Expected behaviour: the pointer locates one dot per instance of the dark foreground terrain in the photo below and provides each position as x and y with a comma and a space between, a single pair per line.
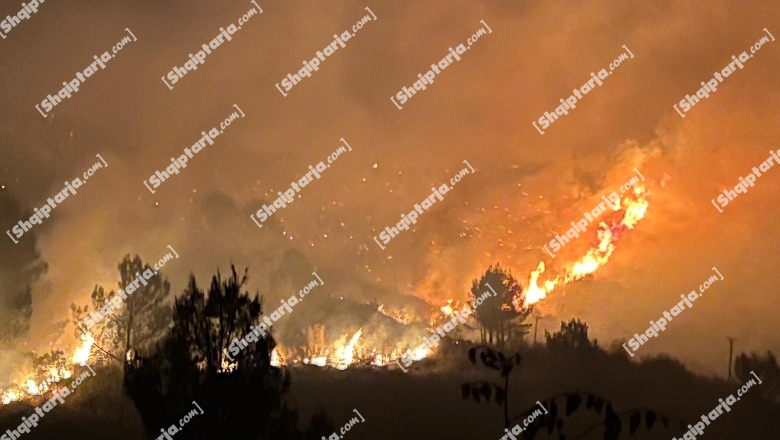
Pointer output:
427, 402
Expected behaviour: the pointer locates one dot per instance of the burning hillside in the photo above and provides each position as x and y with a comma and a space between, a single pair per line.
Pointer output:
41, 378
630, 210
342, 332
365, 346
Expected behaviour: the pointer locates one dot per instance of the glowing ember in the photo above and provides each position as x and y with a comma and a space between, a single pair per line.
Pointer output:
225, 367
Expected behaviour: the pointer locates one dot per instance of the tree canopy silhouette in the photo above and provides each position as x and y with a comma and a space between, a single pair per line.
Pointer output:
241, 398
573, 335
766, 369
139, 319
498, 319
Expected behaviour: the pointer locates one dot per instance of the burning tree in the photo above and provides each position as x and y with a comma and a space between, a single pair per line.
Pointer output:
44, 363
146, 316
140, 320
499, 320
315, 341
106, 333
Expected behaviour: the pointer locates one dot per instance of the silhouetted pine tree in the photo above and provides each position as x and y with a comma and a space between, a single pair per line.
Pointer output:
189, 364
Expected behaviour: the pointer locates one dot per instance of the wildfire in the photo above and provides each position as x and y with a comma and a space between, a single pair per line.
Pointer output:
275, 360
420, 353
398, 316
319, 361
635, 208
81, 356
43, 383
342, 354
534, 293
32, 388
346, 354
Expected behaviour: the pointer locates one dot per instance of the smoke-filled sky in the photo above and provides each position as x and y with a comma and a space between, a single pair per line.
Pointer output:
527, 188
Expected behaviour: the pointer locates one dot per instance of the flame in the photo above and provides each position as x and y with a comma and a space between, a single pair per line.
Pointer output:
634, 208
275, 361
534, 293
81, 356
420, 353
343, 354
319, 361
346, 354
399, 316
32, 388
9, 397
41, 384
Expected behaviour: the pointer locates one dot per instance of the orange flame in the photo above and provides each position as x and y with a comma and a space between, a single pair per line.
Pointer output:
81, 356
346, 354
635, 209
35, 386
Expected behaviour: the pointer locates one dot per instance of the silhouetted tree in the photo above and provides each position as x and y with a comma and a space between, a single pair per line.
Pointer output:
146, 315
766, 369
241, 398
563, 407
557, 409
498, 361
499, 320
140, 320
45, 362
108, 339
573, 335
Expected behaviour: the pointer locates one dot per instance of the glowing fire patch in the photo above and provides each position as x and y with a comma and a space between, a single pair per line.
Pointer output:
43, 384
634, 207
275, 361
346, 354
82, 353
533, 293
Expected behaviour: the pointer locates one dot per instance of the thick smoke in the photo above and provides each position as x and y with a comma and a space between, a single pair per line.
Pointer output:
527, 186
21, 266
